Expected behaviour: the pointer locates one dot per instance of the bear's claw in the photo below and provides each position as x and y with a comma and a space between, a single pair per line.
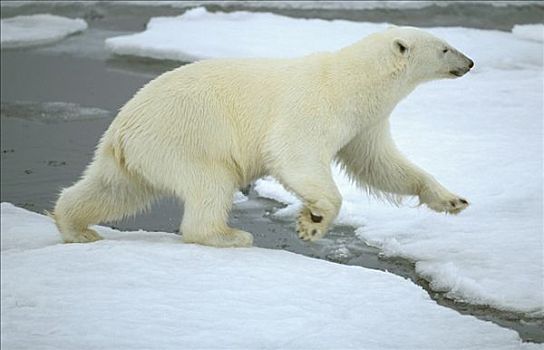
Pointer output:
449, 206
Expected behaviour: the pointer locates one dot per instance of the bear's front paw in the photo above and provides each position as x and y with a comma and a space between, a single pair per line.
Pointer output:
310, 226
451, 204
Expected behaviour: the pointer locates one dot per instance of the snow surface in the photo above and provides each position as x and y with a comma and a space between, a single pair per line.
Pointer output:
480, 135
142, 290
23, 31
529, 31
198, 34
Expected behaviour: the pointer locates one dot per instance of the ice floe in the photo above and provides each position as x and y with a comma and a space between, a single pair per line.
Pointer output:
147, 290
40, 29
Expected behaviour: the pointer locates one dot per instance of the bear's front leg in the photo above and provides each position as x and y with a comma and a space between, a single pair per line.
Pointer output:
373, 161
322, 200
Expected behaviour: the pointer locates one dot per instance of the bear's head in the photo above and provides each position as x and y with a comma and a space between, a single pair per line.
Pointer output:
426, 57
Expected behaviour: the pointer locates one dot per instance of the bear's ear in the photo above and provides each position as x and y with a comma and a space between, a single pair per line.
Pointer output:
400, 47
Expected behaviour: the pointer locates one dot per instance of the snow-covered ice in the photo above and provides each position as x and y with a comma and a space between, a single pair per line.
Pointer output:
199, 34
529, 31
41, 29
141, 290
480, 135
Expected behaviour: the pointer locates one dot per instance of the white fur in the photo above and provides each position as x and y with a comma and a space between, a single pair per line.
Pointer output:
203, 130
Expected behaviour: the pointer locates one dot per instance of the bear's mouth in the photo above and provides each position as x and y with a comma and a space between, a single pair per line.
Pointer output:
457, 73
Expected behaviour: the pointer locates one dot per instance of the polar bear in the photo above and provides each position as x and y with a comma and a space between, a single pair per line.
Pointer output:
205, 129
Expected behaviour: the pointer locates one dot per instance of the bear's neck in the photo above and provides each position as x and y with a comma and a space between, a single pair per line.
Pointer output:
372, 82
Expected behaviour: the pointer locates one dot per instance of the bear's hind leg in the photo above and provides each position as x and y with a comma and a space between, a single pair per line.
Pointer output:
105, 193
207, 205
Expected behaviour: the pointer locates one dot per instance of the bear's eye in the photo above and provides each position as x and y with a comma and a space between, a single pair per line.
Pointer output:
445, 50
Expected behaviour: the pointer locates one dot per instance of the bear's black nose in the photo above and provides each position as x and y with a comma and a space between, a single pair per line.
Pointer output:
471, 64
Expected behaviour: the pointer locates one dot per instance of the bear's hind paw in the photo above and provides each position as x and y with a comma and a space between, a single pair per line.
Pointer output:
231, 238
85, 236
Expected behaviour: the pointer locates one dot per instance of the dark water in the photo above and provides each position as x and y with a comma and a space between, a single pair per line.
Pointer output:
58, 100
